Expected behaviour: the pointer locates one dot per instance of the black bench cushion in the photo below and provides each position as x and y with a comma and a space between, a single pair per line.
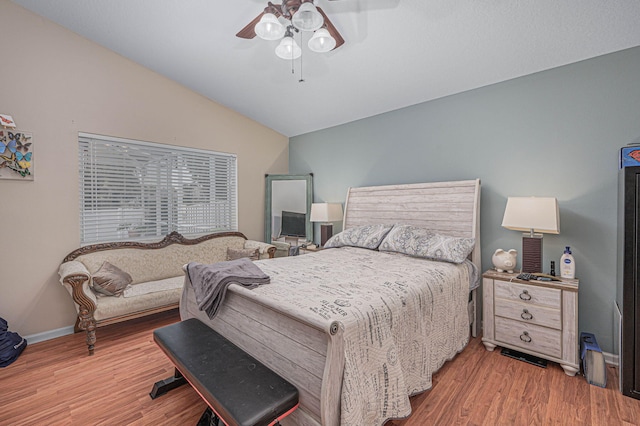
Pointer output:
236, 386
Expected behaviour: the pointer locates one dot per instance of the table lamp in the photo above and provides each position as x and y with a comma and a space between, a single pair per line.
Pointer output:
534, 216
326, 213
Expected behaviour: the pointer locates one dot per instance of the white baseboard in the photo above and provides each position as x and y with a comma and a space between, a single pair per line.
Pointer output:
611, 359
48, 335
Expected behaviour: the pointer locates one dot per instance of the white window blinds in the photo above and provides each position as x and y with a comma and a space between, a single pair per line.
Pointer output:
132, 190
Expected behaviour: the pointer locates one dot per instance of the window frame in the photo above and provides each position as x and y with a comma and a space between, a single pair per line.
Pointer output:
132, 190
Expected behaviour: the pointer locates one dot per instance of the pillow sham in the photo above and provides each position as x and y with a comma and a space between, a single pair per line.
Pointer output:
420, 242
368, 236
233, 254
110, 280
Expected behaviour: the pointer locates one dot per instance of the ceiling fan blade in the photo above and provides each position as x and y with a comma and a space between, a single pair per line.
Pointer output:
248, 31
332, 29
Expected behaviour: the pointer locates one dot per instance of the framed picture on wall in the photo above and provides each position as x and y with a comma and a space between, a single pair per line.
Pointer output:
16, 155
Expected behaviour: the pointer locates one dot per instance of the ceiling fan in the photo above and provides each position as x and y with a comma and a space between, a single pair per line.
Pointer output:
281, 21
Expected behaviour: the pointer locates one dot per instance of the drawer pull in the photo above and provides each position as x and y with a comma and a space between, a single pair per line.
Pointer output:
525, 337
526, 315
525, 295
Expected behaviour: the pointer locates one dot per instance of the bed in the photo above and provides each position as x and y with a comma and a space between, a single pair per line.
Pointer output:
358, 331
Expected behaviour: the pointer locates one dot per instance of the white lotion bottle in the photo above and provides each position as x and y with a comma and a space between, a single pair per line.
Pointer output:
567, 264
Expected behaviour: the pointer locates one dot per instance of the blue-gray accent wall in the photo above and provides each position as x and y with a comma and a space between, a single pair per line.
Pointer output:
556, 133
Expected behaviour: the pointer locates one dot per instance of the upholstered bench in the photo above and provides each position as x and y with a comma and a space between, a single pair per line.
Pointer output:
237, 388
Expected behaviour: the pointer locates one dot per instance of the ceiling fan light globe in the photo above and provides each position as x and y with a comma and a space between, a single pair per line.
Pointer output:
269, 28
307, 18
322, 42
288, 49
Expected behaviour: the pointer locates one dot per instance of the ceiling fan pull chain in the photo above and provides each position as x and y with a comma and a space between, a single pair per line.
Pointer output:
301, 55
292, 60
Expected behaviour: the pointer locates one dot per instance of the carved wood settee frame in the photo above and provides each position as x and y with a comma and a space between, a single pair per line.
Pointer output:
86, 306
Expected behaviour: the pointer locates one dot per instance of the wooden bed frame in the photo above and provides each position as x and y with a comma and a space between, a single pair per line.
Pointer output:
310, 353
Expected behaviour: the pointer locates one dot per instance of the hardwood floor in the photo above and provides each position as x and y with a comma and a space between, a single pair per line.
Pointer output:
56, 383
479, 387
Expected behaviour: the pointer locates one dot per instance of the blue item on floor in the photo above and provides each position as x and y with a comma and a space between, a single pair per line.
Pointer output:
11, 344
595, 370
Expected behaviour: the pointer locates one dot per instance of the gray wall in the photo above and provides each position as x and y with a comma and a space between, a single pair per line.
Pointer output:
555, 133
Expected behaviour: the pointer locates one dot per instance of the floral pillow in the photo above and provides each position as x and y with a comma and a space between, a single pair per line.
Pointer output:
110, 280
368, 236
421, 242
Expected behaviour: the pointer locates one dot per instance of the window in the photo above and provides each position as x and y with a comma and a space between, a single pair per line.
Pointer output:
132, 190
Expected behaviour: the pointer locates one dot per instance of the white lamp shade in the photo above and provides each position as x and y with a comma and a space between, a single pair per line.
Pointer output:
307, 18
269, 28
540, 214
322, 41
326, 212
288, 49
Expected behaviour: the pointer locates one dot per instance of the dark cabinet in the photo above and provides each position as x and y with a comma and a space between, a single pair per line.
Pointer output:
628, 283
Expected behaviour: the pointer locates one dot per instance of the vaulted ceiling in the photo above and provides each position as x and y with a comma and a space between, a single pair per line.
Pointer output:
397, 53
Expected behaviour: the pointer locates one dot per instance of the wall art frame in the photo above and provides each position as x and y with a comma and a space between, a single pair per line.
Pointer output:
16, 155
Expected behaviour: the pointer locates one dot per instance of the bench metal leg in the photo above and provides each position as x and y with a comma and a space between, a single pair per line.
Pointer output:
209, 418
164, 386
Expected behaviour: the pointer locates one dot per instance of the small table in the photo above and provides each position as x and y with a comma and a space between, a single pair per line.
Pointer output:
309, 249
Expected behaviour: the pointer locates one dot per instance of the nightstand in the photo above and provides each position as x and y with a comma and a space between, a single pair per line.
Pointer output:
305, 250
539, 318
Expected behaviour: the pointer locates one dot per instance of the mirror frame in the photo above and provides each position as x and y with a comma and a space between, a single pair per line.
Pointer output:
269, 179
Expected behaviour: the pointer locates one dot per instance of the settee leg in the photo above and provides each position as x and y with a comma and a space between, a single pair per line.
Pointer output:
86, 308
87, 323
91, 339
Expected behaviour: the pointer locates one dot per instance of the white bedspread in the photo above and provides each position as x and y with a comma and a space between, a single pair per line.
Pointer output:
403, 318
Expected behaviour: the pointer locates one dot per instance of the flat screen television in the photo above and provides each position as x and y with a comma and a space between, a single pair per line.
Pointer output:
293, 224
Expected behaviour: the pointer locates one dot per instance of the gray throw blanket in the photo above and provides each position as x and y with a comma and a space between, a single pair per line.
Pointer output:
210, 282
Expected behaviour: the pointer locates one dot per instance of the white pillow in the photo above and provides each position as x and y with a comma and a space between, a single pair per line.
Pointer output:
368, 236
420, 242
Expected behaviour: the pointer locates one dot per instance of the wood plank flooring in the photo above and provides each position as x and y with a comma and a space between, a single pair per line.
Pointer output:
56, 383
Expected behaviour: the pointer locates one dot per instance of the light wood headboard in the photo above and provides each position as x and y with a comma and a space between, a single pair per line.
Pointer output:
448, 208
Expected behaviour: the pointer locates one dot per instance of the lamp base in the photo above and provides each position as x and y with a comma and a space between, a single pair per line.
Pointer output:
326, 232
532, 253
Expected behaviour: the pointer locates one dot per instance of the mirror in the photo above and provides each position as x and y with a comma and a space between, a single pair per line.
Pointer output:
288, 208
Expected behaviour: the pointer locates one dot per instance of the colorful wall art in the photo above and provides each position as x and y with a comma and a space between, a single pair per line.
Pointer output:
16, 155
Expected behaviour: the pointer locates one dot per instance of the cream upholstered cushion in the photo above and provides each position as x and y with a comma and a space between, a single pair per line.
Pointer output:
153, 286
109, 307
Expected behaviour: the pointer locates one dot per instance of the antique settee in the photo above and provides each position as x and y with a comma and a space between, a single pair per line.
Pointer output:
113, 282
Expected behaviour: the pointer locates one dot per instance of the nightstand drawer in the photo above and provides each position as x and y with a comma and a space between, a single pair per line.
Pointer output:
529, 313
529, 336
525, 293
